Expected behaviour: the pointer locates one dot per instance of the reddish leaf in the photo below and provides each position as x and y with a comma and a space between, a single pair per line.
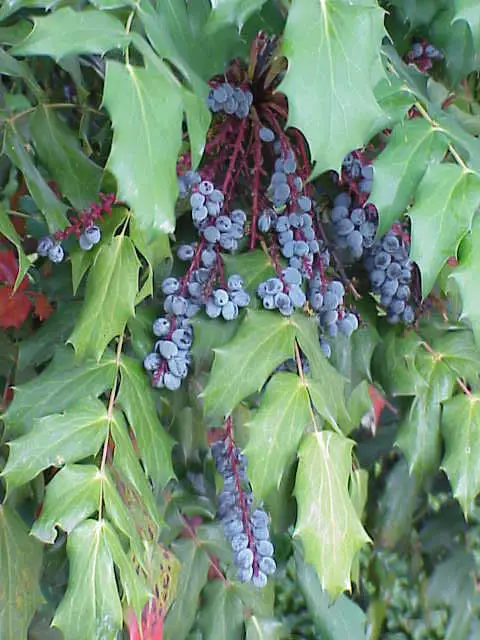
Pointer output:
42, 307
14, 308
378, 402
9, 269
152, 623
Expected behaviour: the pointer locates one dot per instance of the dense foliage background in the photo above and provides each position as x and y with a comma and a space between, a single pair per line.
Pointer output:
353, 423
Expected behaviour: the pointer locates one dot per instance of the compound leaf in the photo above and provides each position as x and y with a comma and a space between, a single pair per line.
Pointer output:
328, 525
112, 286
91, 606
461, 433
72, 495
263, 341
20, 567
275, 432
411, 148
329, 84
146, 111
56, 439
446, 200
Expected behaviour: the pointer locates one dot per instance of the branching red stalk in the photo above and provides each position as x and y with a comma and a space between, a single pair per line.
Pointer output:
257, 163
236, 150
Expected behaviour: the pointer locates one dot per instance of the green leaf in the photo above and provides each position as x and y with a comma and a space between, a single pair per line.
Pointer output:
395, 366
275, 432
146, 111
468, 10
339, 620
461, 433
59, 385
77, 176
91, 606
11, 67
72, 495
54, 211
193, 577
222, 614
198, 122
328, 77
137, 400
263, 341
253, 266
57, 439
235, 12
8, 230
21, 559
66, 32
112, 286
466, 277
327, 524
442, 214
411, 148
264, 629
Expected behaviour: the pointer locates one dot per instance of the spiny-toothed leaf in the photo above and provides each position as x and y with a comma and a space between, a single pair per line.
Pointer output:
14, 147
112, 286
126, 461
263, 341
396, 506
76, 175
419, 432
59, 385
91, 606
339, 620
72, 496
198, 122
57, 439
21, 558
67, 32
235, 12
394, 364
461, 433
411, 148
260, 602
328, 77
193, 577
264, 629
136, 593
446, 201
9, 66
254, 267
325, 385
275, 432
146, 111
137, 400
394, 100
327, 524
358, 492
466, 277
222, 613
457, 348
468, 10
8, 230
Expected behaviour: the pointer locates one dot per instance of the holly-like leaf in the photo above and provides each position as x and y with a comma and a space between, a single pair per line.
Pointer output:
394, 364
222, 614
20, 567
468, 10
235, 12
275, 432
57, 439
264, 629
146, 111
446, 200
72, 495
76, 175
59, 385
263, 341
466, 277
193, 577
411, 148
254, 267
112, 286
8, 230
137, 400
14, 147
327, 524
461, 433
91, 606
67, 32
328, 77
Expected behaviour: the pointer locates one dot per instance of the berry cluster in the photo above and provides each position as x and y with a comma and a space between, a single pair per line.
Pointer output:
390, 272
82, 226
245, 526
230, 100
422, 54
354, 225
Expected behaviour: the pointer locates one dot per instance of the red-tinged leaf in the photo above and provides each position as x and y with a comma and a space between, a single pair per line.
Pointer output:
152, 623
9, 269
378, 402
42, 307
14, 307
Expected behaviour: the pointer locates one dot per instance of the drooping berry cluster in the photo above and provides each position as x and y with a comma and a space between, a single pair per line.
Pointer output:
422, 54
390, 272
245, 526
226, 98
82, 226
354, 225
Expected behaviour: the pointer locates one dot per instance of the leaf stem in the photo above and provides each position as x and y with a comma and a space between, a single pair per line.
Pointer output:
438, 355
